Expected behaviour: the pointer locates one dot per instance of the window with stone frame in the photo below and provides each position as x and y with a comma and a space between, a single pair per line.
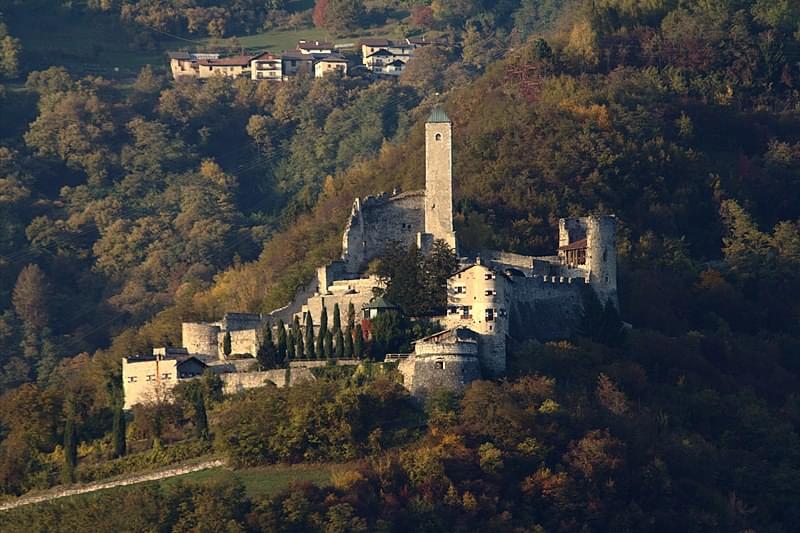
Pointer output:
489, 315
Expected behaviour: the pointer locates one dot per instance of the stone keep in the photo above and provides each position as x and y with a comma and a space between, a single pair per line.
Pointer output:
439, 177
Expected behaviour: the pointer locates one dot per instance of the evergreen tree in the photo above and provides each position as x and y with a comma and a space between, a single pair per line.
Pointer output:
323, 331
70, 450
118, 431
347, 349
300, 351
200, 417
612, 329
351, 316
226, 344
281, 348
338, 344
290, 345
337, 319
327, 345
266, 354
310, 352
358, 343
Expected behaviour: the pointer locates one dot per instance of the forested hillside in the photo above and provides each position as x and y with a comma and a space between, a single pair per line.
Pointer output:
128, 209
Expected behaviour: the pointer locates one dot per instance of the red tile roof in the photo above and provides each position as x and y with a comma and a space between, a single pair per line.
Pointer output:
577, 245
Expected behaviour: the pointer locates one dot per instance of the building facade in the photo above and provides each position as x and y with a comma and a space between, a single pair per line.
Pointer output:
151, 378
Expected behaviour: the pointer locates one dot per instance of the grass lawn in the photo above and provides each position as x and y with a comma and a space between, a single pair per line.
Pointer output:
263, 480
93, 44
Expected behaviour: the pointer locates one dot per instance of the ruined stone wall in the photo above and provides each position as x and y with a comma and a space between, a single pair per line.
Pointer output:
376, 221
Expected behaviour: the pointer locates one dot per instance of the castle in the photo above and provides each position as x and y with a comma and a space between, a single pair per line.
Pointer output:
493, 297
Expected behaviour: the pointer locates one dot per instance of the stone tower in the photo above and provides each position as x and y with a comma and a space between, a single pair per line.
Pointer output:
439, 177
595, 237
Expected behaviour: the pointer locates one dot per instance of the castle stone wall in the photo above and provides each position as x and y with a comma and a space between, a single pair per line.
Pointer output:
243, 342
546, 307
233, 383
376, 221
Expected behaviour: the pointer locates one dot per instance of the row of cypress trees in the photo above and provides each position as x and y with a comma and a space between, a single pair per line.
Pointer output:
296, 342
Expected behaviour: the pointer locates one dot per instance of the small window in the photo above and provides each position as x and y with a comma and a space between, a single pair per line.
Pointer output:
440, 365
489, 315
460, 289
438, 136
466, 312
132, 379
151, 377
489, 276
165, 375
490, 292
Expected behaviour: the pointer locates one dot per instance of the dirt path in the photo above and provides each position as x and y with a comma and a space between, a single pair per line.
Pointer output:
101, 485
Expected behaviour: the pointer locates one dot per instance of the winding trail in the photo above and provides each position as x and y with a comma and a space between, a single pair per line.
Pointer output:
102, 485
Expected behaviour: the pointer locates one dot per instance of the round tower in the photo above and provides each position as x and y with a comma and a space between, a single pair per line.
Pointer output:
601, 256
200, 339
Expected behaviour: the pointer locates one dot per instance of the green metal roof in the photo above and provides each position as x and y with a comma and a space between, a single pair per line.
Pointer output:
438, 115
380, 302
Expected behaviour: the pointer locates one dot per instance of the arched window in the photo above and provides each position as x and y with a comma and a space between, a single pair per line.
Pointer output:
438, 136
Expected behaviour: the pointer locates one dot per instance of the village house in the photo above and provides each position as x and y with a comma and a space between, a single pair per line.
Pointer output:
266, 66
330, 63
386, 57
185, 63
230, 67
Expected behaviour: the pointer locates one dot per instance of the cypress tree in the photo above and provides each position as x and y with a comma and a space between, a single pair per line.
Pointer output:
338, 344
266, 350
351, 316
358, 343
337, 319
301, 348
327, 345
281, 349
310, 352
226, 344
70, 451
118, 431
347, 349
200, 416
323, 331
290, 344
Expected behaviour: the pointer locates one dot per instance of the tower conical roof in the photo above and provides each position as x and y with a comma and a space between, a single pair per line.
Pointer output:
438, 115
